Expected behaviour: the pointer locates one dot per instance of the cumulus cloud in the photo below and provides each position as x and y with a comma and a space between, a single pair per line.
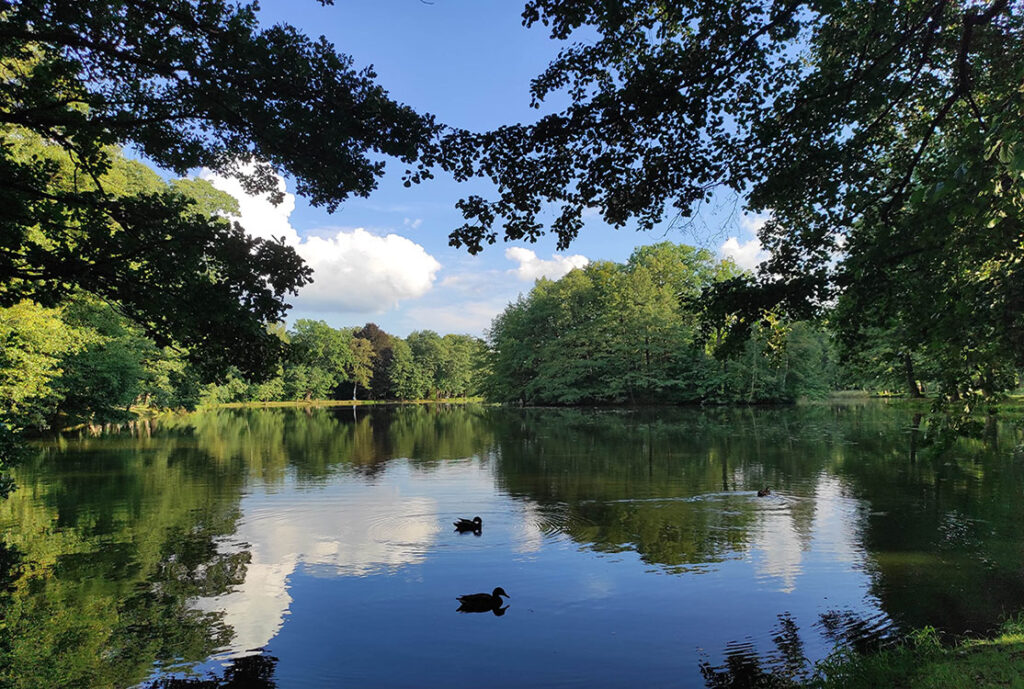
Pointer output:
752, 224
362, 272
354, 271
531, 267
749, 254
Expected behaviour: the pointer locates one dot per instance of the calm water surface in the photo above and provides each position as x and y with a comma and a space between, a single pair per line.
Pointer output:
291, 548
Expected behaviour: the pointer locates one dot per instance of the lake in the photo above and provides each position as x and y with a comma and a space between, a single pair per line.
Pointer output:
315, 547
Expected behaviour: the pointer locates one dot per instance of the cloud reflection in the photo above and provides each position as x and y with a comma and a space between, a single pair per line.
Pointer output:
351, 530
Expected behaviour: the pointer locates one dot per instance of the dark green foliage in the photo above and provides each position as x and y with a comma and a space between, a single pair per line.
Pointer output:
189, 83
612, 333
383, 355
337, 363
883, 139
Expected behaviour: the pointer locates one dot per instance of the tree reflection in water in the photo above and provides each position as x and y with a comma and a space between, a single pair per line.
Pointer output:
744, 668
787, 667
248, 672
110, 538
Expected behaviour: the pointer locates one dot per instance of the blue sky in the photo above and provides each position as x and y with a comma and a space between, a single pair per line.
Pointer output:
386, 258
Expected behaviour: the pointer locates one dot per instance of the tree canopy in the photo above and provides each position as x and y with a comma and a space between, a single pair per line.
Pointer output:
188, 84
615, 333
884, 140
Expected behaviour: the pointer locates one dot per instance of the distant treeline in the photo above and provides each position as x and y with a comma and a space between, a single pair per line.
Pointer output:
638, 333
632, 333
366, 363
82, 361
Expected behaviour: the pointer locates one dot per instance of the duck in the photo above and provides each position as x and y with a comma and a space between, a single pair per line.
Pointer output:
483, 602
764, 492
474, 524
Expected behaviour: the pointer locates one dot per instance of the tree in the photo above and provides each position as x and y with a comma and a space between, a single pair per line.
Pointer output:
33, 342
462, 356
188, 83
322, 359
634, 332
405, 379
360, 368
429, 354
382, 346
884, 141
102, 380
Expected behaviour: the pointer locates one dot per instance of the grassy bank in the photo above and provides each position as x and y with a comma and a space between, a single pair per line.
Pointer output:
922, 662
1003, 404
337, 403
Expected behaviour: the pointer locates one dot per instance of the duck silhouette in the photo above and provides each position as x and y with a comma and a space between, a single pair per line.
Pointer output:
483, 602
475, 525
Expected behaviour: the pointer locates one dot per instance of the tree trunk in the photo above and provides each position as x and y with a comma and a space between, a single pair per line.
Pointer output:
908, 369
354, 385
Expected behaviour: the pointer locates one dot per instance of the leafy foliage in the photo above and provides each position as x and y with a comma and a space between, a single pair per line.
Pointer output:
884, 141
631, 333
188, 83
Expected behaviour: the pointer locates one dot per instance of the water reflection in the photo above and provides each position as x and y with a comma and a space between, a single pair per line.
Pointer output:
280, 546
344, 529
745, 667
247, 672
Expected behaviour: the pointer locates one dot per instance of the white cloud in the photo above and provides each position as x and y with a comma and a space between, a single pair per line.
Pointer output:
531, 267
354, 271
752, 224
361, 272
747, 255
258, 216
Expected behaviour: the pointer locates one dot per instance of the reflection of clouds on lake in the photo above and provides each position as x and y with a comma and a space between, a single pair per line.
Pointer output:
777, 544
837, 522
256, 609
529, 535
349, 529
782, 545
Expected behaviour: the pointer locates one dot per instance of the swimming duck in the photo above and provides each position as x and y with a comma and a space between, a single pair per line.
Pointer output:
764, 491
474, 524
483, 602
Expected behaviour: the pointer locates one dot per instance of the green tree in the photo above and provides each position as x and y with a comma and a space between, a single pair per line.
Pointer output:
322, 359
636, 333
428, 352
885, 143
33, 343
188, 83
101, 381
462, 356
405, 379
382, 346
359, 371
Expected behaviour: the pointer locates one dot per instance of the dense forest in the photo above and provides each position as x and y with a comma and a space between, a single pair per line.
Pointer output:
642, 332
82, 358
82, 361
884, 146
638, 333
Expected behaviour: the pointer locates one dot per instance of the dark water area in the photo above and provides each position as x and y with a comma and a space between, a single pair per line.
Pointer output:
315, 548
